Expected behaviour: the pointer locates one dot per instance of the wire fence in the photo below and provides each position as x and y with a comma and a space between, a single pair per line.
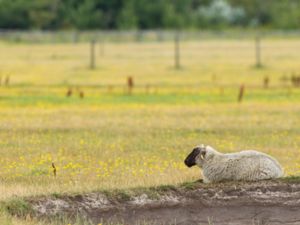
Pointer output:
173, 49
135, 36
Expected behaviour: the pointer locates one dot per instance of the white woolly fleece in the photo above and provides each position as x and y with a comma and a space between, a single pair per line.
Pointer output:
248, 165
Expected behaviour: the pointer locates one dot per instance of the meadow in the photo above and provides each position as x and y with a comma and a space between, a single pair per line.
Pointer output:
111, 139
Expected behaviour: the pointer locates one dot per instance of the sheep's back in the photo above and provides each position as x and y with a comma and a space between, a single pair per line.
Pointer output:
253, 165
245, 165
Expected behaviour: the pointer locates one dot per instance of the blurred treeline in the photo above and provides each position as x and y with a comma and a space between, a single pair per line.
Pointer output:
148, 14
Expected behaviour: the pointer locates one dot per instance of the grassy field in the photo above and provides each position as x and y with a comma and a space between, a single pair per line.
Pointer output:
110, 139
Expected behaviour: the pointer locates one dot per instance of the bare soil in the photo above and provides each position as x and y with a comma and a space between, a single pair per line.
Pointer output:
257, 203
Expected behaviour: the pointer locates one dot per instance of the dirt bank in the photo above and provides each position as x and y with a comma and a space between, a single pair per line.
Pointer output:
267, 202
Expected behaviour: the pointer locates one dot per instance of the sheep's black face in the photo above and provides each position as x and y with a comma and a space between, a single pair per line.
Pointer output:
191, 158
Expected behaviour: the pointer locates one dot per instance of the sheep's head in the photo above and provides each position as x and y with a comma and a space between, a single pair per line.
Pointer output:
197, 156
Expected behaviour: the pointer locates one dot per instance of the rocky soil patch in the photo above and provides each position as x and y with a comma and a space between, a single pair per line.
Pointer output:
266, 202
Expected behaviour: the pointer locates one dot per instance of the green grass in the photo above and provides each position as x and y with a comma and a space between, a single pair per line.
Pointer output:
14, 97
17, 207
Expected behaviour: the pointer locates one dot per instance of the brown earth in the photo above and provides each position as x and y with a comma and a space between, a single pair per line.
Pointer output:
258, 203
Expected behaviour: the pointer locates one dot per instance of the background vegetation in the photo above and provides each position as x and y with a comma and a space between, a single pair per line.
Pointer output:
144, 14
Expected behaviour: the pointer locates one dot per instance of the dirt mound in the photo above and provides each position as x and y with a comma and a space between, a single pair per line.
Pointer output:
266, 202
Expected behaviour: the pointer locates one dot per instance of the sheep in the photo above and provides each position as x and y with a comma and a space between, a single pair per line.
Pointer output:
248, 165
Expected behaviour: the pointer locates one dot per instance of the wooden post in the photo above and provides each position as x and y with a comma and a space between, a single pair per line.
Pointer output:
81, 94
130, 84
7, 80
159, 35
69, 92
139, 36
75, 36
241, 93
266, 82
92, 55
177, 50
257, 52
297, 81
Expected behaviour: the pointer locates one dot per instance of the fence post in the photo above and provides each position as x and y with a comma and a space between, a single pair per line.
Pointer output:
92, 54
266, 82
177, 50
257, 52
130, 84
241, 93
139, 36
75, 37
7, 80
159, 34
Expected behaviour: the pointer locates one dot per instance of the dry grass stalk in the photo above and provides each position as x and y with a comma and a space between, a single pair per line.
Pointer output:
54, 169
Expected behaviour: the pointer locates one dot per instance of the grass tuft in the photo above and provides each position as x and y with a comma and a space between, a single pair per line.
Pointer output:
17, 206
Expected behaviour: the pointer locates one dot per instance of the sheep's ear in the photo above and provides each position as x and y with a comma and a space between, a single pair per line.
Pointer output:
202, 154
